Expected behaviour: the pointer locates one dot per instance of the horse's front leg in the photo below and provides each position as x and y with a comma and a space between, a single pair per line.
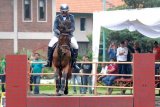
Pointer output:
64, 81
66, 88
57, 80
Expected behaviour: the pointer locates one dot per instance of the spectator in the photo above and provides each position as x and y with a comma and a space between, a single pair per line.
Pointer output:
156, 51
136, 48
76, 78
130, 50
122, 53
36, 69
109, 79
103, 71
129, 56
87, 79
2, 71
31, 76
112, 51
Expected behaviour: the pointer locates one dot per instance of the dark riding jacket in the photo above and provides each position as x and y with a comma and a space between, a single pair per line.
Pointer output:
59, 21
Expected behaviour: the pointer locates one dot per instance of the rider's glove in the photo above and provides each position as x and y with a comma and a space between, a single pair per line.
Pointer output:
68, 30
57, 31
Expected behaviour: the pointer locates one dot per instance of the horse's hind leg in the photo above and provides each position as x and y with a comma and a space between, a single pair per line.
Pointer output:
66, 88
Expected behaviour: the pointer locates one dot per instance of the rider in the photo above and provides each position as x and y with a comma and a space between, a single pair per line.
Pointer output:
63, 16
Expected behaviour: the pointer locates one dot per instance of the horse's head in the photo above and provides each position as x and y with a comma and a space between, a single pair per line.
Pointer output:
64, 25
64, 41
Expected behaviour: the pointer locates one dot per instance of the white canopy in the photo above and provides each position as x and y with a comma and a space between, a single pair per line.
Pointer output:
146, 21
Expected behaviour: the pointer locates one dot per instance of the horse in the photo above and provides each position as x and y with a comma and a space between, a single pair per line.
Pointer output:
62, 64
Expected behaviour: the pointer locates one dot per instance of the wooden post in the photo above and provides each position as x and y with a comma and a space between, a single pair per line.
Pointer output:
95, 84
16, 81
144, 80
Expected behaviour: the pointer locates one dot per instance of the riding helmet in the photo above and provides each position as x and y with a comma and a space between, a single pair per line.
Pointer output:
64, 7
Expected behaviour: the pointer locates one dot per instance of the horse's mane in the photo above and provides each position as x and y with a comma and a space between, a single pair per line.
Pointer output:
64, 39
64, 25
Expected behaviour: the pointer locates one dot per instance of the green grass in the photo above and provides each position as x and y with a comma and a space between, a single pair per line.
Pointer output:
100, 91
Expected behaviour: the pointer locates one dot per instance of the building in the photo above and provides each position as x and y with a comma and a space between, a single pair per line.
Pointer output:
83, 13
28, 23
25, 24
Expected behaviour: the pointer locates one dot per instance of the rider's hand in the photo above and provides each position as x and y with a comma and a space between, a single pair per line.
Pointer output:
57, 31
68, 30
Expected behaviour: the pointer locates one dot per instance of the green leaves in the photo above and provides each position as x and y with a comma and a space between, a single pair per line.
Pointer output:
142, 3
146, 43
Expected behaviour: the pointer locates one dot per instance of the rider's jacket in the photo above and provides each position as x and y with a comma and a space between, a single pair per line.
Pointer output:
59, 21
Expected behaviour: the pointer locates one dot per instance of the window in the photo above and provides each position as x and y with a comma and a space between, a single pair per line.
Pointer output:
42, 10
27, 9
83, 24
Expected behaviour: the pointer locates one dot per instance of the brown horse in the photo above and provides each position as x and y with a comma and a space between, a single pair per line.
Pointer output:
62, 64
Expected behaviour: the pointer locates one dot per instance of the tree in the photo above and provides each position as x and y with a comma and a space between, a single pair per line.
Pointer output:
142, 3
146, 43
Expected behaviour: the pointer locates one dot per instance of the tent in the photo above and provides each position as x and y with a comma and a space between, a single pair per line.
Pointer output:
146, 21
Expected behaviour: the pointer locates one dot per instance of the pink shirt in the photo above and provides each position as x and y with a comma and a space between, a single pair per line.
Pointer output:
113, 66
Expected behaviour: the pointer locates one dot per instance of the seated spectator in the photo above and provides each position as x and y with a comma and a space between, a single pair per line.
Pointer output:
37, 68
156, 51
87, 79
103, 71
2, 71
109, 79
76, 78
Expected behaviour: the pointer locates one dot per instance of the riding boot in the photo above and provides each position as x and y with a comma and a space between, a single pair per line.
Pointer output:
75, 55
50, 57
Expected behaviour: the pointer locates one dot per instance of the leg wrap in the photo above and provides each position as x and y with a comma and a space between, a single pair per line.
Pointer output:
57, 84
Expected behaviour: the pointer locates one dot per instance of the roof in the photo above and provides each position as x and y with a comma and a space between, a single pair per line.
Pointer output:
87, 6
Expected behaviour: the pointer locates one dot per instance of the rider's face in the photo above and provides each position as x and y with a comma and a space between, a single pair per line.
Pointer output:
64, 13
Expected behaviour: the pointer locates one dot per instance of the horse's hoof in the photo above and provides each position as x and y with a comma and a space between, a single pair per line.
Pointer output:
58, 94
61, 92
66, 92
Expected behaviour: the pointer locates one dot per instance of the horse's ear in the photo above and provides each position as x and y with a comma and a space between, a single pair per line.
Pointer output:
60, 36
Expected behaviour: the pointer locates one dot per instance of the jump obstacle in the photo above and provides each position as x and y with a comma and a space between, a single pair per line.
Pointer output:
143, 86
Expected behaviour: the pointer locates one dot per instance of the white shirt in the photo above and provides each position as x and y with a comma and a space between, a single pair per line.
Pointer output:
104, 70
64, 18
123, 50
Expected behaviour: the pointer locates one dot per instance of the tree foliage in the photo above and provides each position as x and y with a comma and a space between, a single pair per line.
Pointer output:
146, 43
142, 3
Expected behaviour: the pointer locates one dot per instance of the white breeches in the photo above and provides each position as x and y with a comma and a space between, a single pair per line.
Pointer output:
54, 39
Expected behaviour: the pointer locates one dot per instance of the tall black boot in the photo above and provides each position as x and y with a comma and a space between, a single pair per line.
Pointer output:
75, 55
50, 57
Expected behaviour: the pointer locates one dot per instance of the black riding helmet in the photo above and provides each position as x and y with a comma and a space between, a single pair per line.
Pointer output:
64, 7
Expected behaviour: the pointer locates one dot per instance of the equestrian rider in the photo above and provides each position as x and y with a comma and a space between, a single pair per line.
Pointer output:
63, 16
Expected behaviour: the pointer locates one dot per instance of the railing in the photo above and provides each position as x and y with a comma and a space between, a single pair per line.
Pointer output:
81, 74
